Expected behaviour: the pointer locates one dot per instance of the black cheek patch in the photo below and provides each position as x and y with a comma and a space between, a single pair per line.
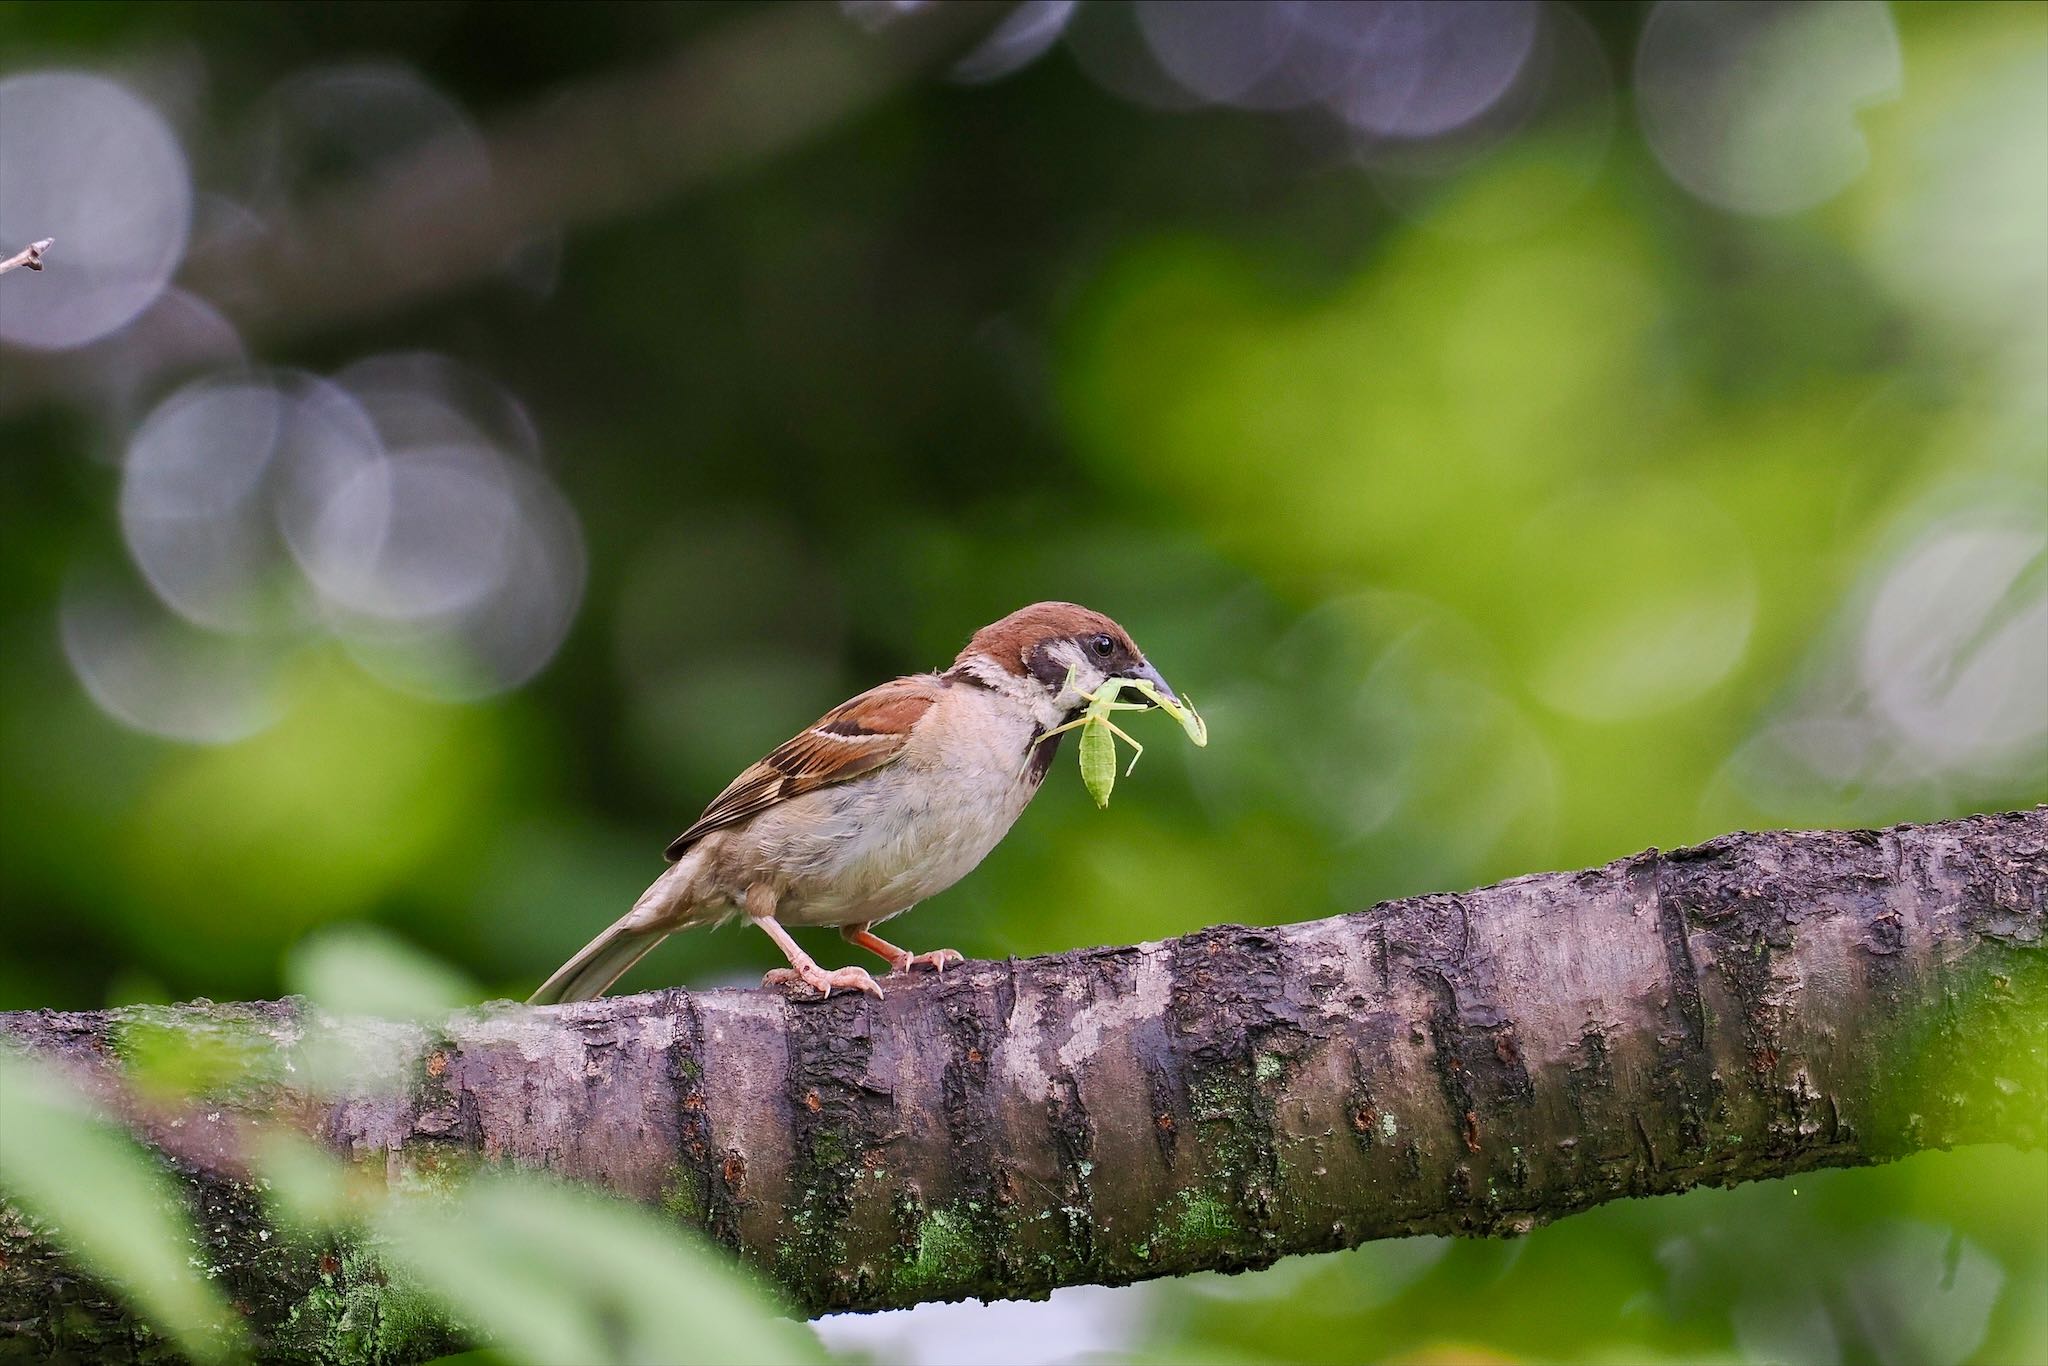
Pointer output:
1044, 667
1042, 755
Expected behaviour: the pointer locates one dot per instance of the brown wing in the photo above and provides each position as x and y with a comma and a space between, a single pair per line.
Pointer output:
853, 738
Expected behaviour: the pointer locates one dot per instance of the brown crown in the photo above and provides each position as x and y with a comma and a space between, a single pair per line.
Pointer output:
1009, 642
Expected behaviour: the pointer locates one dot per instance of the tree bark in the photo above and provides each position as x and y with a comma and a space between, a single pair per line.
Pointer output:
1475, 1064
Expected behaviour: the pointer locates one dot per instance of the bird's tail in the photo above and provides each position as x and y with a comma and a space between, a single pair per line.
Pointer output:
604, 960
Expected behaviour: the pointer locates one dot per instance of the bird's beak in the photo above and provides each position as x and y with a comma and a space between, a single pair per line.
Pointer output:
1152, 676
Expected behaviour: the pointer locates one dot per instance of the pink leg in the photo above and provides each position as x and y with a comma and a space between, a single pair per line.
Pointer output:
899, 960
803, 971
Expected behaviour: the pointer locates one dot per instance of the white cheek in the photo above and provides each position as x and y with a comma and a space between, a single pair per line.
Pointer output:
1088, 674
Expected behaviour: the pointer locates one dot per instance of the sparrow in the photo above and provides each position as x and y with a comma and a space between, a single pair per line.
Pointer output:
887, 799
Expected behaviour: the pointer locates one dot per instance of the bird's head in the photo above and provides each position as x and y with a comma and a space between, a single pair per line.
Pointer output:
1051, 653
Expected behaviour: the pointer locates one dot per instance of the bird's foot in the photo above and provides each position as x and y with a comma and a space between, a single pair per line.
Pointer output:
938, 960
811, 982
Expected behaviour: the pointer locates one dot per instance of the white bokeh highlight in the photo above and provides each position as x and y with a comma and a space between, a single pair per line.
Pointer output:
448, 562
1219, 50
503, 634
420, 398
1752, 107
1428, 68
414, 535
1026, 33
191, 500
1934, 676
1954, 652
1388, 69
1549, 135
156, 672
87, 163
400, 509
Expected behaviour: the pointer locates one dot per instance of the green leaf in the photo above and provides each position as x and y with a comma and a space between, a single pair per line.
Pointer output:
361, 970
307, 1187
558, 1274
106, 1203
174, 1057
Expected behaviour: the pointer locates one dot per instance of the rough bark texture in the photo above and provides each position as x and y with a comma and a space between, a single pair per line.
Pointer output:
1473, 1064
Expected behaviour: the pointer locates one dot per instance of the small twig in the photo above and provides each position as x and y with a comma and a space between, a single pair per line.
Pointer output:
30, 256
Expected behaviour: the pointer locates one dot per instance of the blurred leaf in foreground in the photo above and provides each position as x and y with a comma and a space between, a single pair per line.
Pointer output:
108, 1204
361, 970
305, 1187
173, 1056
563, 1275
367, 987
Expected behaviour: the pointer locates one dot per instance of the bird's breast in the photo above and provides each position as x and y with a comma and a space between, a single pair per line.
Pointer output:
881, 843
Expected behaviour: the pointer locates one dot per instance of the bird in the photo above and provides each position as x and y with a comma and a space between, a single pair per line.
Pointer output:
888, 799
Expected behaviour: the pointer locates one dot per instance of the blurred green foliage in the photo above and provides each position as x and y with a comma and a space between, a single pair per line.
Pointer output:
571, 1277
1513, 513
90, 1189
405, 1270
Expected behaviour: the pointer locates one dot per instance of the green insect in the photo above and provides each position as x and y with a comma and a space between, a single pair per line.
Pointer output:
1099, 734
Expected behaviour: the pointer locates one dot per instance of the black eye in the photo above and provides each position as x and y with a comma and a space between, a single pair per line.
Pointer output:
1103, 646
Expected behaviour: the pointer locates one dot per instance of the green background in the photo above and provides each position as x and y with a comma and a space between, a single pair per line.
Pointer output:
1512, 513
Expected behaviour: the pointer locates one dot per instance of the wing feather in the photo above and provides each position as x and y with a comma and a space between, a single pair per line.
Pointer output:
855, 737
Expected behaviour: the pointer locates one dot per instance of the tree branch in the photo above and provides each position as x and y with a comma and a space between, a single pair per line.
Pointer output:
1474, 1064
29, 257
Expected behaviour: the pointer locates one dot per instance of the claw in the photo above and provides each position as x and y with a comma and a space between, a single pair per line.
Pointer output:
938, 960
812, 982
